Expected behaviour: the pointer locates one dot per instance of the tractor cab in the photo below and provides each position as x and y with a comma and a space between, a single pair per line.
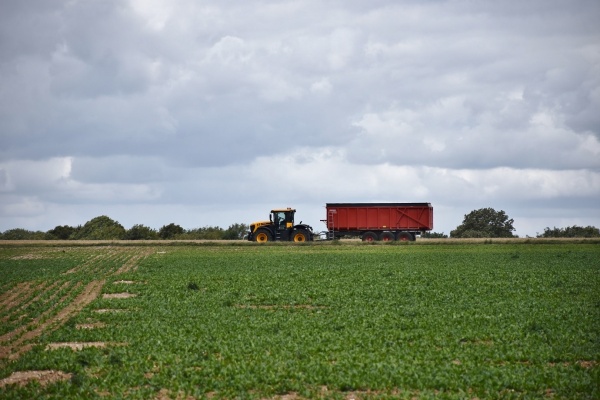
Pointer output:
283, 223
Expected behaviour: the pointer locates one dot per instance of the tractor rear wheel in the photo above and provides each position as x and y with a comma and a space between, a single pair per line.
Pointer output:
300, 235
263, 236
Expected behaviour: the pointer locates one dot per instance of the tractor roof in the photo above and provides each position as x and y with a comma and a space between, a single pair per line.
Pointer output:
282, 209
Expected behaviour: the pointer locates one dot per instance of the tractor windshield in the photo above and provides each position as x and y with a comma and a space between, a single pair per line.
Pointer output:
279, 219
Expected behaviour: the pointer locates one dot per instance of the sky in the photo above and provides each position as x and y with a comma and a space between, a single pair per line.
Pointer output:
210, 113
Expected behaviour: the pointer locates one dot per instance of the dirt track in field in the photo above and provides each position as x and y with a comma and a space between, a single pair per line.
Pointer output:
22, 378
60, 300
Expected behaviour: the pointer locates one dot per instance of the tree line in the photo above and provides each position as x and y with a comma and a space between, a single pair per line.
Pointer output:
482, 223
489, 223
104, 228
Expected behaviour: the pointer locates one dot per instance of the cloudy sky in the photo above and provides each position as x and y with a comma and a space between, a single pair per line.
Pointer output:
213, 112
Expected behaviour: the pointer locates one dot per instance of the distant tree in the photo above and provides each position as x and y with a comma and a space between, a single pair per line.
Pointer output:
211, 233
484, 223
140, 232
571, 232
61, 232
22, 234
434, 235
205, 233
100, 228
235, 232
170, 231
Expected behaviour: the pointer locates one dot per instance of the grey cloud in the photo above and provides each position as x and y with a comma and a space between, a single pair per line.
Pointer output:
29, 28
118, 169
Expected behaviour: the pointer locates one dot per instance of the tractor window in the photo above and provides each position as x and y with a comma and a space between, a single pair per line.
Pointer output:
279, 220
289, 217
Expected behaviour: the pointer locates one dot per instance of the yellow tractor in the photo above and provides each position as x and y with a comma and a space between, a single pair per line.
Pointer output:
280, 227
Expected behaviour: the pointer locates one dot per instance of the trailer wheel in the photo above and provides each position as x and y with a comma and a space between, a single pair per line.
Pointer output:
263, 236
387, 237
369, 237
300, 236
405, 237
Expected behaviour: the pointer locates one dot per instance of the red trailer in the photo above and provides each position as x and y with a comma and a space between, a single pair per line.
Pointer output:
378, 221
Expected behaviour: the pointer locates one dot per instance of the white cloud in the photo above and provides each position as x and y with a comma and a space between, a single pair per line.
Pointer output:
322, 86
32, 183
445, 134
230, 51
156, 13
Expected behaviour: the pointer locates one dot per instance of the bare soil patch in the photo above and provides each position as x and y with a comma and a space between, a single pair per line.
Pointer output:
22, 378
124, 282
326, 393
91, 325
588, 364
582, 363
32, 256
118, 295
165, 394
75, 345
110, 310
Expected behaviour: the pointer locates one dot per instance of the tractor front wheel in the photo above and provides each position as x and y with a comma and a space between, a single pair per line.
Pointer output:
263, 236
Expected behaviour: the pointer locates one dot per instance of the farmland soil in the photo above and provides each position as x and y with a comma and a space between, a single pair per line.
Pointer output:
76, 346
22, 378
118, 295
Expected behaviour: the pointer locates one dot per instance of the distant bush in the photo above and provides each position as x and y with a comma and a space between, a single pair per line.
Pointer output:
206, 233
434, 235
22, 234
140, 232
61, 232
236, 232
570, 232
170, 231
100, 228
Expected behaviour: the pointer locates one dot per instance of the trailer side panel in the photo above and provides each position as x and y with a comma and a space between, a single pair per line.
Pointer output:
379, 216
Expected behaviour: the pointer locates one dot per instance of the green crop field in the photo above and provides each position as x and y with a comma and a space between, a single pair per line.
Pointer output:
323, 320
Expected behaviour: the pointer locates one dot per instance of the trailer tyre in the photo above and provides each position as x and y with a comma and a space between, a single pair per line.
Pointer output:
263, 236
405, 237
387, 237
369, 237
300, 236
